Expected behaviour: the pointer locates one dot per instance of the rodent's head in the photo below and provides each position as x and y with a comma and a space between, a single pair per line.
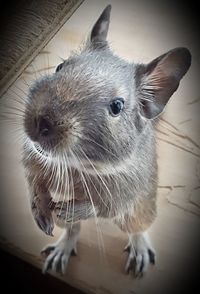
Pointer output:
96, 105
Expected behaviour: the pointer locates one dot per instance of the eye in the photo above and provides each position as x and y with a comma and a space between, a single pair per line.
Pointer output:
59, 67
116, 106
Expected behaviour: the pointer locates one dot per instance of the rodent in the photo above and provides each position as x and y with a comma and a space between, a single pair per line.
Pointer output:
90, 137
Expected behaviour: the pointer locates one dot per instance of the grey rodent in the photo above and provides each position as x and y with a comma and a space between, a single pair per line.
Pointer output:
91, 139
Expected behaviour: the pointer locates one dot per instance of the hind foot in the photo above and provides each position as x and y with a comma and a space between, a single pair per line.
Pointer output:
140, 254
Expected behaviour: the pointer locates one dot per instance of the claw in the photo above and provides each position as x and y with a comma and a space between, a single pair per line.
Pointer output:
45, 223
127, 248
130, 265
50, 229
151, 256
42, 214
74, 252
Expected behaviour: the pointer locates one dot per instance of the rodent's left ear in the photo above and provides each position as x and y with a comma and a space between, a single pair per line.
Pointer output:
158, 80
100, 29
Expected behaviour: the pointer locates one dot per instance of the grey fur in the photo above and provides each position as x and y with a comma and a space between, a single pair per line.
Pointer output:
115, 175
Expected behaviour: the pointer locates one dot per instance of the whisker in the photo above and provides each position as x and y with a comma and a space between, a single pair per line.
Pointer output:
99, 233
13, 97
12, 113
20, 89
98, 193
70, 177
25, 82
22, 99
92, 141
98, 174
9, 107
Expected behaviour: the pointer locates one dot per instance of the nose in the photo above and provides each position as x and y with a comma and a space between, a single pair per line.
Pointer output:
45, 127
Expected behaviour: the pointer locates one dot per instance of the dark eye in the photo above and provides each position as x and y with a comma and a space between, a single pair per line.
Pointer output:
59, 67
116, 106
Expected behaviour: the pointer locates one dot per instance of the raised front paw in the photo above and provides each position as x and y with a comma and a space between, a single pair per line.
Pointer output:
140, 255
43, 216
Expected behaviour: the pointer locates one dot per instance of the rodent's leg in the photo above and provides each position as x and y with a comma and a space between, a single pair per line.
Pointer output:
74, 211
40, 200
140, 254
58, 254
139, 248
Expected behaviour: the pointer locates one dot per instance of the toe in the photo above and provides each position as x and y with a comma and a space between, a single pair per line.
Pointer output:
56, 262
130, 265
48, 262
139, 264
145, 264
142, 262
64, 262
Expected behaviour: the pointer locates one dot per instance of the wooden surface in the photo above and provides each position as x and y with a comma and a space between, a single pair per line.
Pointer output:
137, 32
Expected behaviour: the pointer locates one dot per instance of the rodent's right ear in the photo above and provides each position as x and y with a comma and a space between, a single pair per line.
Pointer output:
158, 80
100, 29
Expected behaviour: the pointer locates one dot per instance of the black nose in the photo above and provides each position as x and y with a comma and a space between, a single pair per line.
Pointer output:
45, 127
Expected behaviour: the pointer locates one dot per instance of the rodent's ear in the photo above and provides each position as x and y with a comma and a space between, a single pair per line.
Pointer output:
158, 80
100, 29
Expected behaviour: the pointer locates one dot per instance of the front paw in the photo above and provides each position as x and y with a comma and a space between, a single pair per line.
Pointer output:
64, 210
43, 217
74, 210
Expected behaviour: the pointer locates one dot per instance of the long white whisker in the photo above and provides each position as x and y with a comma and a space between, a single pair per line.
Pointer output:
99, 176
99, 233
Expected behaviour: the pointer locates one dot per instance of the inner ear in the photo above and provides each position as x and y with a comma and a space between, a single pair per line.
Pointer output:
100, 29
158, 80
